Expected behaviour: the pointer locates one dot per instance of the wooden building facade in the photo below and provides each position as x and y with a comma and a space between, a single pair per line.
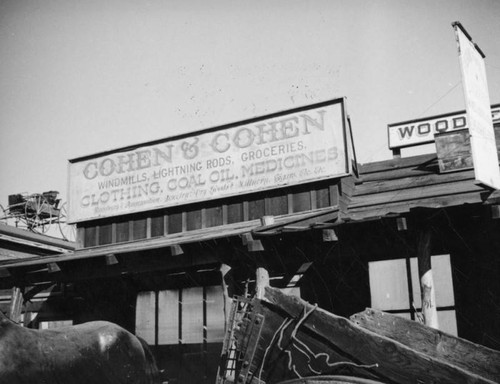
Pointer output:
346, 243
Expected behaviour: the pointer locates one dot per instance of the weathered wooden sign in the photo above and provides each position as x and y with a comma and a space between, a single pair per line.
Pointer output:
288, 148
477, 104
453, 150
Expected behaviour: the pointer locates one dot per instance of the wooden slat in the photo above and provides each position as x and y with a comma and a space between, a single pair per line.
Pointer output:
301, 201
362, 212
32, 239
139, 229
404, 162
105, 234
398, 174
412, 182
234, 213
90, 237
256, 209
418, 193
460, 352
168, 317
193, 220
16, 304
175, 222
122, 232
214, 216
157, 226
277, 205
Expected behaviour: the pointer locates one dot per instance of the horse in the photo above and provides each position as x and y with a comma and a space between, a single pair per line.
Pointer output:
97, 352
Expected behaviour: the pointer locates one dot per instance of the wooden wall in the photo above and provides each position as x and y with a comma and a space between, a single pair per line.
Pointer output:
211, 214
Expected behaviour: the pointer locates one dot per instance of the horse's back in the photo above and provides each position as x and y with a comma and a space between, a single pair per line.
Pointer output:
96, 352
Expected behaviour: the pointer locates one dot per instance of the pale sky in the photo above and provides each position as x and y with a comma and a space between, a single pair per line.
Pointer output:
80, 77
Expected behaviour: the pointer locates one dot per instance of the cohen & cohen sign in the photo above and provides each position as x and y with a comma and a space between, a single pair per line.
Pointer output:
288, 148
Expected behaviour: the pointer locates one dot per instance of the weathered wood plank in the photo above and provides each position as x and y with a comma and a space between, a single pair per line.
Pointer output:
256, 209
395, 360
322, 197
398, 173
381, 186
175, 222
105, 234
416, 193
277, 205
437, 344
213, 216
404, 162
122, 232
301, 201
234, 213
16, 305
157, 226
139, 229
360, 212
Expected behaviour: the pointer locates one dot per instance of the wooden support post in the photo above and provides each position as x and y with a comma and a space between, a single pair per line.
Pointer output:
261, 282
224, 269
427, 289
16, 305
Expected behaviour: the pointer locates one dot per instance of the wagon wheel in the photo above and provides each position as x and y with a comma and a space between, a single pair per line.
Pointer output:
38, 213
68, 231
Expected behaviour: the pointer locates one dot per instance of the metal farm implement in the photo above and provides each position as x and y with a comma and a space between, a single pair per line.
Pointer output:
38, 212
283, 339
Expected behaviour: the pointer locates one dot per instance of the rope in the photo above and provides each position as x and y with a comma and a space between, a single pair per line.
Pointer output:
305, 350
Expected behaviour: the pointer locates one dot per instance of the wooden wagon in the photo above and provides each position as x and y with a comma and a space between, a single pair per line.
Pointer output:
283, 339
38, 212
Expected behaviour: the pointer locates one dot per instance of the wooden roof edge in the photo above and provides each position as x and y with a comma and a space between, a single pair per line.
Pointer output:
180, 238
303, 221
29, 238
398, 208
396, 163
419, 180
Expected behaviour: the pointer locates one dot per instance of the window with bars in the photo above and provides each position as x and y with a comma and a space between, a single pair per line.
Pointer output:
181, 316
395, 288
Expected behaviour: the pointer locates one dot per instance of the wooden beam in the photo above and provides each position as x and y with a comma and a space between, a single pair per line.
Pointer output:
16, 304
447, 348
224, 270
427, 288
261, 282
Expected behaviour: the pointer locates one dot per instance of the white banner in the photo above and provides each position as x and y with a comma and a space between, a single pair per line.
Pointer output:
290, 148
422, 131
477, 101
